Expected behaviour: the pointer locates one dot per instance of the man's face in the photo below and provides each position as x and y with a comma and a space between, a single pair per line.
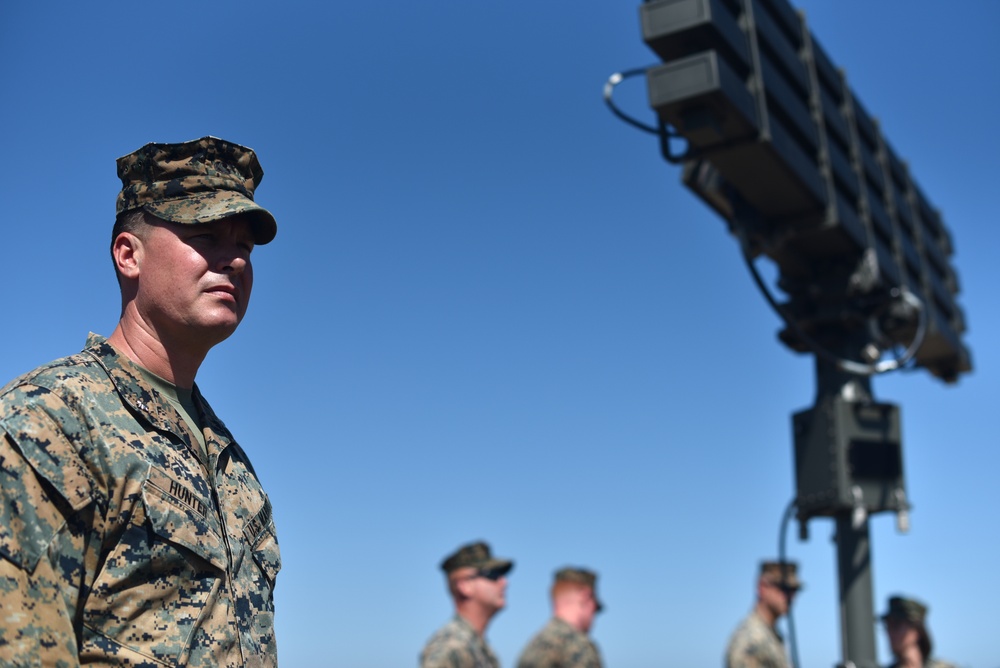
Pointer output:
195, 280
777, 599
587, 606
902, 635
488, 592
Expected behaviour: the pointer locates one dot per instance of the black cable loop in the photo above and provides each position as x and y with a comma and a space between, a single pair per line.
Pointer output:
609, 88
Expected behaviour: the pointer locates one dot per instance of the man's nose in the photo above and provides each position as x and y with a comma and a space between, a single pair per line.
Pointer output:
233, 260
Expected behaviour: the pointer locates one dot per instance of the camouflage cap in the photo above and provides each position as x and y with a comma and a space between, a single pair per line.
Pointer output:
781, 573
580, 576
475, 555
907, 609
198, 181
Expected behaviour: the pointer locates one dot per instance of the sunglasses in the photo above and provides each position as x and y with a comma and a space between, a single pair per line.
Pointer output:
492, 574
783, 587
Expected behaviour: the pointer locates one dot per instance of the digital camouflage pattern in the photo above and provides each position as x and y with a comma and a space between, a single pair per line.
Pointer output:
755, 644
931, 663
559, 645
784, 574
907, 609
475, 555
195, 182
122, 542
457, 645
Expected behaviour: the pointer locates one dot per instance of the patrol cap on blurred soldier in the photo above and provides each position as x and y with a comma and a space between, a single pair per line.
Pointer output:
784, 575
905, 609
475, 555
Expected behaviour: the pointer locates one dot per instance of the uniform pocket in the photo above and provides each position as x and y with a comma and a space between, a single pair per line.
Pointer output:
44, 479
180, 516
162, 578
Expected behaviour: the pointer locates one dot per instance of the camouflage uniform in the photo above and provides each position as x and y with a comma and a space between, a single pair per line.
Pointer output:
457, 645
931, 663
559, 645
122, 542
755, 644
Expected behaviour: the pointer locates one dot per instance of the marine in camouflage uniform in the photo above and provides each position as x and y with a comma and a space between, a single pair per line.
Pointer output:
564, 641
906, 625
133, 529
756, 642
477, 582
457, 645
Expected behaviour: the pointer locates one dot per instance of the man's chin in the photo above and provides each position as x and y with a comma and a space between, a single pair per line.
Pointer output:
218, 331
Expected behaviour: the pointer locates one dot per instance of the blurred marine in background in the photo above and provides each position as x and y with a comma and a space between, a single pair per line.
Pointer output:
906, 625
477, 583
133, 529
564, 642
756, 642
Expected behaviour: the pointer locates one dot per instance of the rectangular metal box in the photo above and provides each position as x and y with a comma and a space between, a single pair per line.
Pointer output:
848, 454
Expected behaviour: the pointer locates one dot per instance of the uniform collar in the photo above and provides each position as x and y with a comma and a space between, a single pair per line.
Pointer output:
147, 401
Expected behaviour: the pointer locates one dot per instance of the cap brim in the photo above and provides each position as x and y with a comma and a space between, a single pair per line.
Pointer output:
503, 566
217, 205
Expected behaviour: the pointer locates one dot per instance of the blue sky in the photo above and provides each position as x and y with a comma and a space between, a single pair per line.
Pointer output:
493, 311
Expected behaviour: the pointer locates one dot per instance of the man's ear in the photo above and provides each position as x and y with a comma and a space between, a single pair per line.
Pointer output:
462, 587
127, 253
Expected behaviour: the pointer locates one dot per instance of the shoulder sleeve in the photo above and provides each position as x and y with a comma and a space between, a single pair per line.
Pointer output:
43, 478
740, 653
442, 651
586, 655
441, 660
533, 655
42, 487
756, 652
938, 663
441, 657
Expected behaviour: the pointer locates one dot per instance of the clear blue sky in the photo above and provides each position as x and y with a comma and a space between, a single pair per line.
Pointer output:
493, 311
